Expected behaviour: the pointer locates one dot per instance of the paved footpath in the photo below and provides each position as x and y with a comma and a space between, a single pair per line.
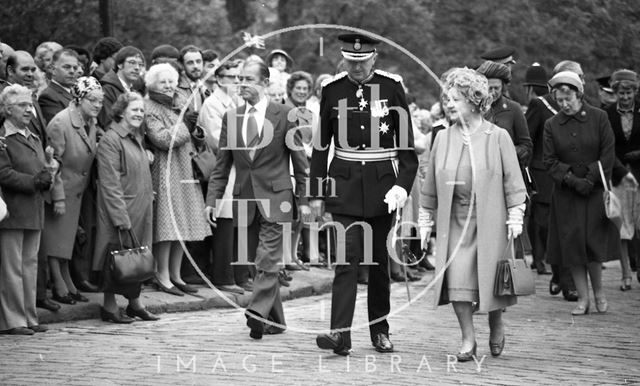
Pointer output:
544, 345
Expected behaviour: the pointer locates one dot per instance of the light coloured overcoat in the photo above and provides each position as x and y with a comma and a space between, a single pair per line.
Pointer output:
498, 185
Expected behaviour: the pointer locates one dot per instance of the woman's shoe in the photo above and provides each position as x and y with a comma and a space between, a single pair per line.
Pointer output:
602, 305
626, 284
580, 309
115, 317
78, 297
66, 299
170, 290
554, 288
469, 355
142, 314
186, 288
496, 348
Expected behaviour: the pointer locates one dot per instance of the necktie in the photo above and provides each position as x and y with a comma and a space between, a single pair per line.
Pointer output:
252, 130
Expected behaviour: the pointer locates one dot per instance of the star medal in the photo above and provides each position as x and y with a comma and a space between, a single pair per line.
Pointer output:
384, 128
379, 108
363, 104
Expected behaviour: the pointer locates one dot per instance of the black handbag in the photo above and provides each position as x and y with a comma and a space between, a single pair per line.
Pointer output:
133, 265
513, 277
203, 161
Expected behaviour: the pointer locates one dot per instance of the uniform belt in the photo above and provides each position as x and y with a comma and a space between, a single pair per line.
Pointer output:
366, 155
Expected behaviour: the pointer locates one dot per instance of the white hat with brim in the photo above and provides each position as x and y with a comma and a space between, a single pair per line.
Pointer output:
569, 78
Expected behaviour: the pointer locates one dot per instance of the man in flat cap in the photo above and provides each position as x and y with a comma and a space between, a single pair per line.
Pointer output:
503, 55
364, 112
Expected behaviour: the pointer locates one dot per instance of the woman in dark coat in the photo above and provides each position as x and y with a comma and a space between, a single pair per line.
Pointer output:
624, 116
125, 199
580, 234
72, 134
25, 178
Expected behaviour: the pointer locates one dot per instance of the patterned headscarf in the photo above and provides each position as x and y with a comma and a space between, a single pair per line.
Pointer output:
83, 86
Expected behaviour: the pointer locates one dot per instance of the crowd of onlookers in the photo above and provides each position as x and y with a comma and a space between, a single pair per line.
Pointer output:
109, 149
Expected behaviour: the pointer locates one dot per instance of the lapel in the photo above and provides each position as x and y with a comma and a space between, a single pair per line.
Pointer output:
272, 116
20, 138
64, 96
37, 123
78, 125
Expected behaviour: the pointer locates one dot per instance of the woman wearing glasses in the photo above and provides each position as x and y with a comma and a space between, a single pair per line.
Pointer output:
25, 178
72, 134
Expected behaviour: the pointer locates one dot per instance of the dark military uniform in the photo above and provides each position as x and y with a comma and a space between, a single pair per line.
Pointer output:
362, 172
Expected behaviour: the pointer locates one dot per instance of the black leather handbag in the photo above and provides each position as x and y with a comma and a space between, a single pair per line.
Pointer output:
133, 265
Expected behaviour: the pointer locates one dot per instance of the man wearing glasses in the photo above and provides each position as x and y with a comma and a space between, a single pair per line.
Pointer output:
125, 76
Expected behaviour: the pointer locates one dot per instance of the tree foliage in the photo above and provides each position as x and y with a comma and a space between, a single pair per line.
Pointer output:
603, 35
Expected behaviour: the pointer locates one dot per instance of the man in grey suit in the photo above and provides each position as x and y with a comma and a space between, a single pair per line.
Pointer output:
57, 96
259, 140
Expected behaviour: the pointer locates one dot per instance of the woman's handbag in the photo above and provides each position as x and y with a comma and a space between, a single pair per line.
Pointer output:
133, 265
203, 162
612, 205
513, 277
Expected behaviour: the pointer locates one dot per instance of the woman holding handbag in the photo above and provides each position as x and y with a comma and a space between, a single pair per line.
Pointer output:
474, 182
575, 141
125, 202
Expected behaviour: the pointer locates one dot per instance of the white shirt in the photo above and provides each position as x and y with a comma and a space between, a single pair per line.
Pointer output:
124, 84
259, 114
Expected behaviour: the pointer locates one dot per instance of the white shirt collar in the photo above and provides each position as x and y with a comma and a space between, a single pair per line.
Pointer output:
124, 83
64, 88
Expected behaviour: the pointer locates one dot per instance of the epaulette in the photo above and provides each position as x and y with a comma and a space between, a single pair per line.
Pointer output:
334, 78
389, 75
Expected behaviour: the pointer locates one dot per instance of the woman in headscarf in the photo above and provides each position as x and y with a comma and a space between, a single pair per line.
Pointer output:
72, 133
504, 112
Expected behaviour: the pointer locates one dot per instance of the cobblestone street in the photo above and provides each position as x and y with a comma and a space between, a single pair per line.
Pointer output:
544, 345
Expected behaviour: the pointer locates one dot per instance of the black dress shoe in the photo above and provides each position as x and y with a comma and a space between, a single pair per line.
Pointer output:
115, 317
170, 290
382, 343
66, 299
47, 304
467, 356
86, 286
78, 297
424, 262
186, 288
256, 326
293, 267
554, 288
39, 328
282, 278
333, 341
19, 331
570, 295
496, 348
142, 314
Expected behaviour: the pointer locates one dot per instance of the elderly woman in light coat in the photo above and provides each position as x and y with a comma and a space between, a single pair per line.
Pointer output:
25, 178
474, 183
72, 134
179, 201
125, 201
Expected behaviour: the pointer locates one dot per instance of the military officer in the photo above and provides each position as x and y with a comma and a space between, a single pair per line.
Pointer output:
364, 112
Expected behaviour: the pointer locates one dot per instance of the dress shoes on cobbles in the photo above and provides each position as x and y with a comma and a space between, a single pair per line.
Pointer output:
256, 326
18, 331
114, 317
87, 286
39, 328
141, 313
469, 355
186, 288
496, 348
333, 341
47, 304
382, 343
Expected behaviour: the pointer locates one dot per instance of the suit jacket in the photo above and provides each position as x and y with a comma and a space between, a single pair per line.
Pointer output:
20, 161
267, 175
53, 100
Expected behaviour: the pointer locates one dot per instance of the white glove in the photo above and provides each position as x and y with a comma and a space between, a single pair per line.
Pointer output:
425, 234
395, 198
425, 223
514, 223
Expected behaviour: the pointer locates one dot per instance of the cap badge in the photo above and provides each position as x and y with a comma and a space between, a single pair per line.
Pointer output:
357, 46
